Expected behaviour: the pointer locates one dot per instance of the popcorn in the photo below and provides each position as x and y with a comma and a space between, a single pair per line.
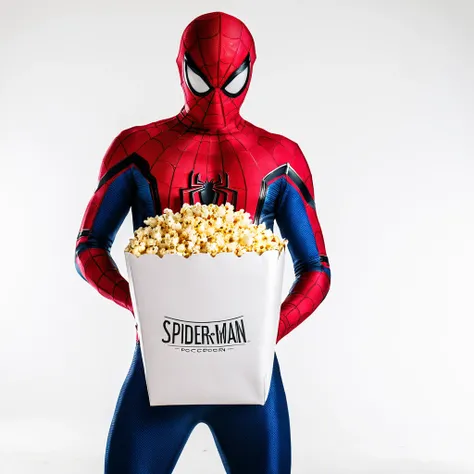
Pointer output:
200, 228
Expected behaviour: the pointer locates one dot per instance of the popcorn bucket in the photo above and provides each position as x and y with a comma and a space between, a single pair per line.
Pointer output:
207, 325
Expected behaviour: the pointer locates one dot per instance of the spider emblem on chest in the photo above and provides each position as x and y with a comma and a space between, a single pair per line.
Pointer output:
214, 191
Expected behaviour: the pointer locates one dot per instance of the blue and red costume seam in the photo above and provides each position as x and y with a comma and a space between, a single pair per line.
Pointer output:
205, 153
291, 203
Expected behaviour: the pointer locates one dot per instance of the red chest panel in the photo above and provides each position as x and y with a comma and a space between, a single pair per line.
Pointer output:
190, 167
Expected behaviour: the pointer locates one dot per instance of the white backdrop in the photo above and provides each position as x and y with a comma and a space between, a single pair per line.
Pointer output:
379, 95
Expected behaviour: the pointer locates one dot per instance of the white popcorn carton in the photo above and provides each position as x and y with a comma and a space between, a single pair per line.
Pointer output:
207, 325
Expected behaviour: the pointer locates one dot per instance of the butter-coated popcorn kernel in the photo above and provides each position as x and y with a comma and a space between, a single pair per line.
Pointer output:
202, 228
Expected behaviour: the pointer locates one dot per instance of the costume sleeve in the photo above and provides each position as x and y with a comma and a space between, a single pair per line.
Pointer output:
104, 215
298, 222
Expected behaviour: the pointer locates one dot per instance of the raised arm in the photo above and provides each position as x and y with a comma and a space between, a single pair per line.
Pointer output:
298, 222
104, 215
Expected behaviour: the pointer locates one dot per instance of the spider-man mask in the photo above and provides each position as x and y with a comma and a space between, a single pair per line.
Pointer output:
215, 62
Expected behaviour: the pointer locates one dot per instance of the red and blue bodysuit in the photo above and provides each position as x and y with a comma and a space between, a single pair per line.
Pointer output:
209, 154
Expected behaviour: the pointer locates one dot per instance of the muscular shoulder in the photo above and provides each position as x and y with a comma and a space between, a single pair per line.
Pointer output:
283, 150
135, 137
130, 140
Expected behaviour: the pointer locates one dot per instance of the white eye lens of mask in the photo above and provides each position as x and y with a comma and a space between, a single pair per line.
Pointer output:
238, 83
196, 82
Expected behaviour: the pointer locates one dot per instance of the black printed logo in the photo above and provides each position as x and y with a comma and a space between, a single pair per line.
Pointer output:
208, 336
215, 191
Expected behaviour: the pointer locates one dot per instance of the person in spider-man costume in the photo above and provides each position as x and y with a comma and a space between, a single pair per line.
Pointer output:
207, 153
